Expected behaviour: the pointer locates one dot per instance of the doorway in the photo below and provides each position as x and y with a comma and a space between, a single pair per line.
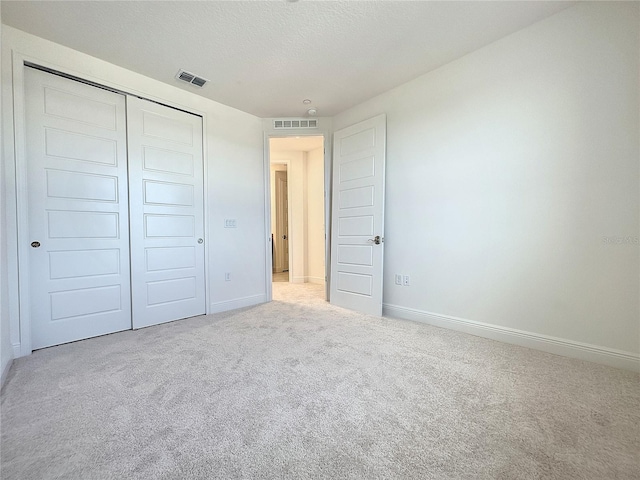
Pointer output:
297, 181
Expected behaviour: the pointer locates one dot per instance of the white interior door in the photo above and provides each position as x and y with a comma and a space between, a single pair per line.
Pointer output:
166, 210
357, 226
78, 221
282, 221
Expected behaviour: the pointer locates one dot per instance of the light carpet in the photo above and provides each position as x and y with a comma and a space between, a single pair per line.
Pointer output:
300, 389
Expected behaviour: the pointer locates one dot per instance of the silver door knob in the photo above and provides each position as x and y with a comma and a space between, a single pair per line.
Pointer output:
200, 240
35, 244
375, 240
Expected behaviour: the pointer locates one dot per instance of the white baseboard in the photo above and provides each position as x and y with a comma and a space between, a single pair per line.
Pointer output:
5, 373
315, 280
555, 345
237, 303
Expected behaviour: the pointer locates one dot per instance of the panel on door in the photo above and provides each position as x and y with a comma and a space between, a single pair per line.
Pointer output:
78, 214
166, 210
357, 230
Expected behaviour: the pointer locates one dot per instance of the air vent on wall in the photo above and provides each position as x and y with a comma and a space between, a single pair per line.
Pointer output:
295, 123
191, 78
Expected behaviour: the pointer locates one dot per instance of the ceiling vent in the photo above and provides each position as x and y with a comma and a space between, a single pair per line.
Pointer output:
283, 123
191, 78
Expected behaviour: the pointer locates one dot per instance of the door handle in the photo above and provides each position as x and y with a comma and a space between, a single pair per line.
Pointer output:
35, 244
376, 240
284, 237
200, 240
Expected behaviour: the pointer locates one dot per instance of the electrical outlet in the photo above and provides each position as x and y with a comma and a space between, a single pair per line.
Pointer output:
398, 279
406, 281
227, 277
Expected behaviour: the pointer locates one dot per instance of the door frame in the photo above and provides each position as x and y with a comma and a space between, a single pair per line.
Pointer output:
269, 133
17, 206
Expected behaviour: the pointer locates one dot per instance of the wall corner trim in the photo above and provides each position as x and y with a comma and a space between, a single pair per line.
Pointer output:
545, 343
217, 307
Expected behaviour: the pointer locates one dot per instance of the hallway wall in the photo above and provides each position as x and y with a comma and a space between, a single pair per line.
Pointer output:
315, 266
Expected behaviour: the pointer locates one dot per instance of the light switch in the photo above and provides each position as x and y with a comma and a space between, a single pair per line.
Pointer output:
230, 223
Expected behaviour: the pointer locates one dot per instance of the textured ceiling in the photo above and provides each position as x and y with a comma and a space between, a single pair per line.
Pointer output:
265, 57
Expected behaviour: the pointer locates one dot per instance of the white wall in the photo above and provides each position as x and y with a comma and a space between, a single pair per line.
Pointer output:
315, 216
6, 351
234, 168
506, 169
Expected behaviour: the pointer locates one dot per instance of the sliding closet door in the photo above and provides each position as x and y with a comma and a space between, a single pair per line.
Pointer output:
78, 218
166, 210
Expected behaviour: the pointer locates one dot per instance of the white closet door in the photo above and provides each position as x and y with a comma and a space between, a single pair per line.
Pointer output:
78, 220
166, 211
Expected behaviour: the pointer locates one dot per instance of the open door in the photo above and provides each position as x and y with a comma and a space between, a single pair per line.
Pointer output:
357, 226
282, 222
